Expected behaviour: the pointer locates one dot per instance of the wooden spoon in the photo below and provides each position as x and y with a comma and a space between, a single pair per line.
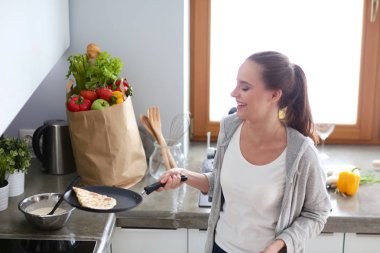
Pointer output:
146, 124
173, 163
155, 122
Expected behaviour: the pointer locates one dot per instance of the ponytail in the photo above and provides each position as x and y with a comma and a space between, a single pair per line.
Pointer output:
278, 73
298, 113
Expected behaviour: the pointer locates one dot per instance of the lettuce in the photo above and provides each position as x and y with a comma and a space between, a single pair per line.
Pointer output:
104, 70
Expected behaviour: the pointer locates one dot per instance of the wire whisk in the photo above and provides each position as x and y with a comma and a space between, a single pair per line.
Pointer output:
179, 126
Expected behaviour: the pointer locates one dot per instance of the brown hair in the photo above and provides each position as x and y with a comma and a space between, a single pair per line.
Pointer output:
279, 73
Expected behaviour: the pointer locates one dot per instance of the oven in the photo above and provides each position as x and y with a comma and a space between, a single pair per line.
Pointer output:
46, 246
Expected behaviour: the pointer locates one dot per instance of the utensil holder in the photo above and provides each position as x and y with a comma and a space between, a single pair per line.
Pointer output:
156, 164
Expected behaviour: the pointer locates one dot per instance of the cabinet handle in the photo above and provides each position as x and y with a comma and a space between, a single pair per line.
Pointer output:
327, 233
367, 234
142, 228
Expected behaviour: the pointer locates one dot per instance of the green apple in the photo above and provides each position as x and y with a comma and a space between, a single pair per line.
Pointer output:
99, 104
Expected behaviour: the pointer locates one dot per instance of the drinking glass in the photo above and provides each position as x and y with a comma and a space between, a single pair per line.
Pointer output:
324, 130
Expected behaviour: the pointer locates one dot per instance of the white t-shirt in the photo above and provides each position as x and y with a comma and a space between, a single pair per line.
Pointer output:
253, 196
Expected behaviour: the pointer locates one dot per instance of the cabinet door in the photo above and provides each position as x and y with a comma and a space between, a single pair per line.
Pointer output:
196, 240
125, 240
326, 243
361, 243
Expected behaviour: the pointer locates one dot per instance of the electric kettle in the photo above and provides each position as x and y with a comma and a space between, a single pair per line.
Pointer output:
56, 153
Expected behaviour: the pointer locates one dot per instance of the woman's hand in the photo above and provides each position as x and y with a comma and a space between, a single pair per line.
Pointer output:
171, 179
274, 247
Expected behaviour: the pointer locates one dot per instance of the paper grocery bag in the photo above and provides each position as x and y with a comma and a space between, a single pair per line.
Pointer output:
107, 146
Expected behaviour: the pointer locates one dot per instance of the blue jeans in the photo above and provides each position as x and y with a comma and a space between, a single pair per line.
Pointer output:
217, 249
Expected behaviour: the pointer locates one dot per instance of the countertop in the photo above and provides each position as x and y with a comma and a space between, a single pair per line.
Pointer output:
81, 226
359, 213
179, 208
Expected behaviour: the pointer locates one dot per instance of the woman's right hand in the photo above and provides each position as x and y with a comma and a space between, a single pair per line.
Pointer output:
171, 179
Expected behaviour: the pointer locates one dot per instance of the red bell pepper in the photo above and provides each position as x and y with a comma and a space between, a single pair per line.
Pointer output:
116, 85
78, 103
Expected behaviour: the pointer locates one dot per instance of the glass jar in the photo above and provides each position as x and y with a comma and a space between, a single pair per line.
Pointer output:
156, 164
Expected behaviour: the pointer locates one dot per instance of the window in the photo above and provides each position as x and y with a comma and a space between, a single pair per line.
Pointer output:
337, 47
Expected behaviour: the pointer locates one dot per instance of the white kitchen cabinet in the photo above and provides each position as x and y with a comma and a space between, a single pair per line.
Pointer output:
127, 240
362, 243
196, 240
326, 243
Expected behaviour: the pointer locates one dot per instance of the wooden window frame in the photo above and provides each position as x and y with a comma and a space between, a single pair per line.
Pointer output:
367, 129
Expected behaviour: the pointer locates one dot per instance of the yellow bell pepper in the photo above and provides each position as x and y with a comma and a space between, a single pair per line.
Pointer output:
348, 182
117, 97
119, 100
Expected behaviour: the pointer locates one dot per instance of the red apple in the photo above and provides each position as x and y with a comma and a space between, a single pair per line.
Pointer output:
104, 93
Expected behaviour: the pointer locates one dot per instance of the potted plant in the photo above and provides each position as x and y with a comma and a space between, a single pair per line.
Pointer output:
6, 161
18, 152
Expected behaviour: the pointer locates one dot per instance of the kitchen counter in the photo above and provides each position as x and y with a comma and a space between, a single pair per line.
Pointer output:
81, 226
359, 213
179, 208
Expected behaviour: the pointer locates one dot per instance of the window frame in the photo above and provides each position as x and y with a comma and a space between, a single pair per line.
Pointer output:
365, 131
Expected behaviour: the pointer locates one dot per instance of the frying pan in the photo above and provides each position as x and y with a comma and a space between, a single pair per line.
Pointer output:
125, 199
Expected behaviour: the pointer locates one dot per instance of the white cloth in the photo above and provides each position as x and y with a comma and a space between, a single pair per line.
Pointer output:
253, 195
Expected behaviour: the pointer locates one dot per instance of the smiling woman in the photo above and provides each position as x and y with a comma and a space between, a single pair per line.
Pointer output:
342, 67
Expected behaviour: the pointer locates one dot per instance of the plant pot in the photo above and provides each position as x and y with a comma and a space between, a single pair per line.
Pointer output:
4, 196
16, 182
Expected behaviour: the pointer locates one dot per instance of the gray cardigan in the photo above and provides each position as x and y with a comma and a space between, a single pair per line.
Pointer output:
306, 203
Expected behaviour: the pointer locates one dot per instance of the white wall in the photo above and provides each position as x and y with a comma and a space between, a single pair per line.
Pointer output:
151, 38
34, 35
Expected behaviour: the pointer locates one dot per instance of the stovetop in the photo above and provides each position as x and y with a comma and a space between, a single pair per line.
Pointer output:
45, 246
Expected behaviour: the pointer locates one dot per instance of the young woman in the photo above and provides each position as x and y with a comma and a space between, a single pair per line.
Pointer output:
268, 187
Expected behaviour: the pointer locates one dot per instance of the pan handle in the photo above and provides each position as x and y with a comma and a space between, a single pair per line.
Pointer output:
151, 188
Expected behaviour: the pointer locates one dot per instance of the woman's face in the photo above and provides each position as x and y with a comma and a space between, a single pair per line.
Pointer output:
254, 101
